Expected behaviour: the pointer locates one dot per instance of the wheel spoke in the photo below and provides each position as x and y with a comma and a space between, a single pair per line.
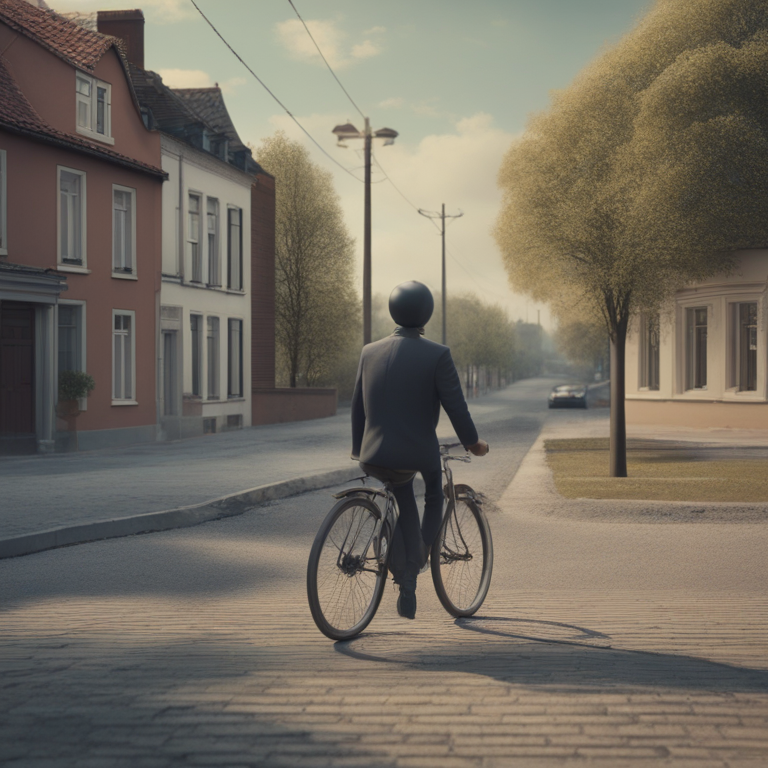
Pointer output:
462, 557
346, 578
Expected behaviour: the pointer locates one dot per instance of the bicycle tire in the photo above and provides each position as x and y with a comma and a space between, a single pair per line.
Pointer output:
464, 538
347, 570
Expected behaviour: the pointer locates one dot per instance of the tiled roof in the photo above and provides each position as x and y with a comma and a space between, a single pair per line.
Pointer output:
66, 39
169, 111
19, 116
208, 103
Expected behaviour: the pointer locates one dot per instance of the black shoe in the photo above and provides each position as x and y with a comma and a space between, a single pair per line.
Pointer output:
406, 603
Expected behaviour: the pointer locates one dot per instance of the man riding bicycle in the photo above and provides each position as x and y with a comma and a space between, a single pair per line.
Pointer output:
402, 381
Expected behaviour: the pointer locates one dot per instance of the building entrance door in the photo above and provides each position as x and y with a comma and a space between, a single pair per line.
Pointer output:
17, 368
169, 373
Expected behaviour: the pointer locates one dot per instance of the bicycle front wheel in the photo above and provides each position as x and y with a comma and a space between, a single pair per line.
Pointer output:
347, 568
462, 559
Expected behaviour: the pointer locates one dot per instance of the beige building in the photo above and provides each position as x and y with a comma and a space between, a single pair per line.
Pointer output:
702, 362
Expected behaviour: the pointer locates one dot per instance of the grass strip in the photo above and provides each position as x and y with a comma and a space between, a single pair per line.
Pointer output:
580, 470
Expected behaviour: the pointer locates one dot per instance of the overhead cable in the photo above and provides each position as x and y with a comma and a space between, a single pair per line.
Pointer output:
330, 69
266, 88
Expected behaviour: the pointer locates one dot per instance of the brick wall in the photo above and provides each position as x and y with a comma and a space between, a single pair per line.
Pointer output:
263, 282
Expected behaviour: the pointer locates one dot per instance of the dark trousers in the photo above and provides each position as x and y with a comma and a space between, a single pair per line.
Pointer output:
412, 540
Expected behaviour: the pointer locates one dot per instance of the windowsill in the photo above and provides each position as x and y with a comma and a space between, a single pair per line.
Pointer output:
235, 399
73, 269
735, 396
746, 398
100, 137
237, 291
171, 278
125, 276
3, 251
124, 402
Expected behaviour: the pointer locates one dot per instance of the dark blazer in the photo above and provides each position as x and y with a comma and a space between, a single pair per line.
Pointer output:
401, 383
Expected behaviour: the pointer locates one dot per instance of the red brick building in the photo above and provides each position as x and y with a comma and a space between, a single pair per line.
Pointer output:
80, 208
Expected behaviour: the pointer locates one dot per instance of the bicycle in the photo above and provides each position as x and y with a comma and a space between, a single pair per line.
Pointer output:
348, 563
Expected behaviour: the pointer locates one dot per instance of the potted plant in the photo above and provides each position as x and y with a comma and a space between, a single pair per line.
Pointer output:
73, 385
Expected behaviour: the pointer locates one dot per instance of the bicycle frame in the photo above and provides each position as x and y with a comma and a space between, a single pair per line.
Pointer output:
452, 493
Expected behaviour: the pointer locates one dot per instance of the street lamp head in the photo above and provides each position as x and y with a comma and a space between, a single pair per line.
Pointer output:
346, 131
388, 134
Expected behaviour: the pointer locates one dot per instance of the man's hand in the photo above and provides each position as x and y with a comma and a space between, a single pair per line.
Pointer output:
480, 448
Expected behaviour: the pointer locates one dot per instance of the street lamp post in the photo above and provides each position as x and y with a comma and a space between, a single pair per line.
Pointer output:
348, 131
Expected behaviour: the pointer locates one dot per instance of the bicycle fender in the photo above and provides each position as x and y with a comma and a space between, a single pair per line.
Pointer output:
466, 492
360, 491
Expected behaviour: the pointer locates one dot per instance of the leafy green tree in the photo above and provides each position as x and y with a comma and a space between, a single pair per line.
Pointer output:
317, 313
583, 340
644, 174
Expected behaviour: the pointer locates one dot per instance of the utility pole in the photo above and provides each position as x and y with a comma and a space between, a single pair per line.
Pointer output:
442, 216
348, 131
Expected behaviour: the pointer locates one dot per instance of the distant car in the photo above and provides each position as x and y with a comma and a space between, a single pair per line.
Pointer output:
568, 396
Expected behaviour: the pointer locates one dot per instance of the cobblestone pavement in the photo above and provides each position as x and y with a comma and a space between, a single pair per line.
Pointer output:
607, 642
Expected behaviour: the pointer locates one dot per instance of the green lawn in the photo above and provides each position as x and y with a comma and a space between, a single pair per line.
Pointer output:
680, 473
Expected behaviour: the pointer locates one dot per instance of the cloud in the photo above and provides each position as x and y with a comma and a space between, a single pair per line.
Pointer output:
156, 11
185, 78
396, 102
329, 37
457, 167
365, 50
375, 31
230, 86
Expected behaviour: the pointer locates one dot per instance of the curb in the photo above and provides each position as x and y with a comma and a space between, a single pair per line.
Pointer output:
181, 517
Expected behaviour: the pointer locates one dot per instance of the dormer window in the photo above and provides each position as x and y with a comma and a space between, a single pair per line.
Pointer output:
94, 108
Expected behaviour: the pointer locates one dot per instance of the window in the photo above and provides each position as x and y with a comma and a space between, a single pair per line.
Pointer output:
3, 206
696, 348
70, 342
94, 107
196, 328
649, 351
213, 242
235, 385
235, 249
747, 346
212, 350
71, 217
193, 237
123, 230
123, 356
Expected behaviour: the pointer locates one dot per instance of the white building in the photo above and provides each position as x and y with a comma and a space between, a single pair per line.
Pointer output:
703, 361
204, 337
205, 315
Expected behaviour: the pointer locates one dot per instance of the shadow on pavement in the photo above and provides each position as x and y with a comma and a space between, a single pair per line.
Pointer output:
551, 654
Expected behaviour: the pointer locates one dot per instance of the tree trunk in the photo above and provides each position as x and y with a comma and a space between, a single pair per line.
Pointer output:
618, 430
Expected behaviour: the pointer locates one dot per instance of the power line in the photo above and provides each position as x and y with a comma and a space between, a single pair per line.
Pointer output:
472, 278
386, 176
330, 69
266, 88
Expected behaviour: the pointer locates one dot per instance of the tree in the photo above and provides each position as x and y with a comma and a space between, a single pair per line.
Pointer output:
644, 174
584, 342
317, 312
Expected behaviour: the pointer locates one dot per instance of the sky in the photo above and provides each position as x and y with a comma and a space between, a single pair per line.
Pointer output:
456, 79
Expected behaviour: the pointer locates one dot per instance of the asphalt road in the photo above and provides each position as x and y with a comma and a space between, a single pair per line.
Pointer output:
602, 642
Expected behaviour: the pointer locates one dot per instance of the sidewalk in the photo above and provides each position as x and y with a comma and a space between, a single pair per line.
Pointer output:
533, 487
60, 499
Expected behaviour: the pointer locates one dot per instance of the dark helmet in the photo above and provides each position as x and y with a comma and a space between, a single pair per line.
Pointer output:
411, 304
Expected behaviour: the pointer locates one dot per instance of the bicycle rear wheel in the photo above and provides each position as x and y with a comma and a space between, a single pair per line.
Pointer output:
347, 570
462, 559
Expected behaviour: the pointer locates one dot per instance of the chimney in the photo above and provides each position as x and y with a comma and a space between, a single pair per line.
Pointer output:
129, 27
